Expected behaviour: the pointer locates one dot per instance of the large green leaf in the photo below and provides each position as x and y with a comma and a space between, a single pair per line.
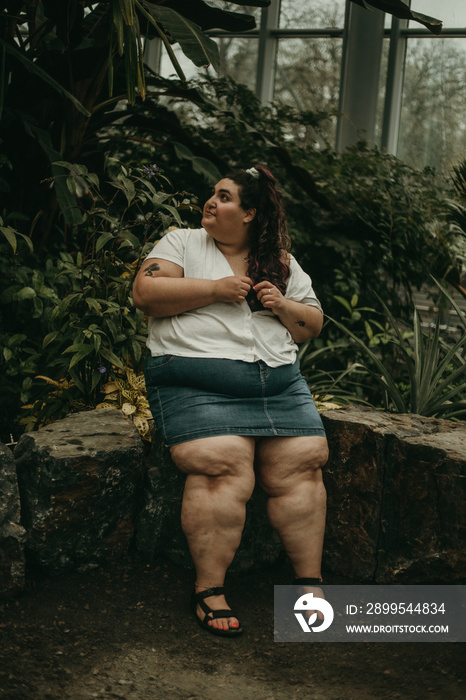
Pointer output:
67, 201
458, 309
381, 374
400, 9
38, 72
251, 3
200, 49
202, 166
208, 17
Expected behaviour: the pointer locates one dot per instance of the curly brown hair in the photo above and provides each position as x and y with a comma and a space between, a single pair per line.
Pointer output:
270, 242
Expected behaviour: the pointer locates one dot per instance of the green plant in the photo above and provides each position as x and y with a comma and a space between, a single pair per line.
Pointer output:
456, 213
73, 324
13, 236
69, 67
427, 375
360, 221
127, 392
332, 365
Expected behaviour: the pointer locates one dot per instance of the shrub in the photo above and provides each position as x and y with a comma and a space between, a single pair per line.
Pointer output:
415, 371
72, 326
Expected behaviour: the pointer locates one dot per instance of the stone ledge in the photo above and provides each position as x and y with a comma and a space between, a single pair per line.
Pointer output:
396, 500
79, 481
396, 497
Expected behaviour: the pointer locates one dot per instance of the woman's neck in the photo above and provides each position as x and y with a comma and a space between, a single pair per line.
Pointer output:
232, 250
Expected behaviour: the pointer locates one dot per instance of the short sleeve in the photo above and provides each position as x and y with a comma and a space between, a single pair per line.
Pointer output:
171, 247
299, 286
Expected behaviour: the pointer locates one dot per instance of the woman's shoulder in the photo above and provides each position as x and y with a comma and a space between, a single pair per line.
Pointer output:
182, 232
188, 234
183, 236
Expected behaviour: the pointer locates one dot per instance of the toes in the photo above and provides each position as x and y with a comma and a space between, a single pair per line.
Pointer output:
220, 623
224, 623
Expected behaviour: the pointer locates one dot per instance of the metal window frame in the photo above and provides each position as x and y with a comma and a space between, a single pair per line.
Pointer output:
360, 75
354, 92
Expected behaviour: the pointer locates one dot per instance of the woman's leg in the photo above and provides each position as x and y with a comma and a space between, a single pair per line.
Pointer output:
220, 481
291, 475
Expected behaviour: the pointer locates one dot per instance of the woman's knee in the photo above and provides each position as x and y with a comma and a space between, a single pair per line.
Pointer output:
280, 471
216, 456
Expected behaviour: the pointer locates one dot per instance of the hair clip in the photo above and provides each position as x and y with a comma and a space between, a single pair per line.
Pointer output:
253, 173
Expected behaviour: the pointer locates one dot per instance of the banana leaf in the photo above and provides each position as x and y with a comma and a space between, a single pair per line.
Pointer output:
400, 9
66, 201
200, 49
251, 3
208, 17
43, 75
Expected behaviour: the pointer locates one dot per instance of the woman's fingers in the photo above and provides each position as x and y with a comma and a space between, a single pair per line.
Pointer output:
269, 295
231, 289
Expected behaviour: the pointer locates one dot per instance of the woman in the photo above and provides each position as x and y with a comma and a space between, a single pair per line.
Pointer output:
228, 305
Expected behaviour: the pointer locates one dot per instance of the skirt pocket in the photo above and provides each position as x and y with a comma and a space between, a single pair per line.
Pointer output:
155, 365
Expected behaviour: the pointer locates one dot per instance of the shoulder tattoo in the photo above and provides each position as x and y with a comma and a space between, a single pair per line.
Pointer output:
151, 268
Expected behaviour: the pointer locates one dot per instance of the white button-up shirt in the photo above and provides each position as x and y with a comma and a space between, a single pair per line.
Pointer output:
223, 330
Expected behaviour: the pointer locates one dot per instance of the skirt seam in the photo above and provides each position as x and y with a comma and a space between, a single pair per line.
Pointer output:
259, 432
161, 415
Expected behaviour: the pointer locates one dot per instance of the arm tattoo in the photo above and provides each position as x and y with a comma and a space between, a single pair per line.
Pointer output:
152, 268
300, 323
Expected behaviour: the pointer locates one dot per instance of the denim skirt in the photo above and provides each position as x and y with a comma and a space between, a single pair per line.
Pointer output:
192, 398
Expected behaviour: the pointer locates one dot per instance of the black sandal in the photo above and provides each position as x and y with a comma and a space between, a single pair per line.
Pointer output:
198, 599
318, 582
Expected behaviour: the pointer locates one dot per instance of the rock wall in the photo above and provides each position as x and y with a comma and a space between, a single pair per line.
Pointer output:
80, 482
396, 500
396, 497
12, 534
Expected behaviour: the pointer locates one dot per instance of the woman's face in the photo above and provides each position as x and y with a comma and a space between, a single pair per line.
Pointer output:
223, 216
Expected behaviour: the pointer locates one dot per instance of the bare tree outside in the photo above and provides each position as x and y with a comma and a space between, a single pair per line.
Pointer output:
308, 70
433, 120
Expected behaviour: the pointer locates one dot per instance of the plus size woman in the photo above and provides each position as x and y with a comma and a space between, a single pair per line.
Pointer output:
228, 306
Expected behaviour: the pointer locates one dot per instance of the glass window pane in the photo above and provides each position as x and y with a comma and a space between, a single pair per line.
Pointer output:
312, 14
433, 128
451, 12
308, 76
238, 59
189, 69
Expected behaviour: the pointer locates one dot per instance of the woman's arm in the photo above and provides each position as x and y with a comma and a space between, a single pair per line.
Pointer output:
161, 290
302, 321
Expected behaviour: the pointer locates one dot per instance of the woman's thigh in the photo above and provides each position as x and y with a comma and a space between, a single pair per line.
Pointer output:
220, 455
289, 460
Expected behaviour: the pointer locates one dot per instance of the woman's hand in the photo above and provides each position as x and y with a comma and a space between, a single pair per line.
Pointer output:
269, 296
232, 289
301, 320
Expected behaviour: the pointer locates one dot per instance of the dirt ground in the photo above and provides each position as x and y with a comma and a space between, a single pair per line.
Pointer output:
128, 633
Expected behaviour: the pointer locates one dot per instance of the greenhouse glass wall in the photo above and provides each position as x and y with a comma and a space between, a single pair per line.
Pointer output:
387, 80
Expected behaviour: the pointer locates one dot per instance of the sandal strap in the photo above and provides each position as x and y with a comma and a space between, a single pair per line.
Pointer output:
210, 614
216, 590
308, 582
214, 614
